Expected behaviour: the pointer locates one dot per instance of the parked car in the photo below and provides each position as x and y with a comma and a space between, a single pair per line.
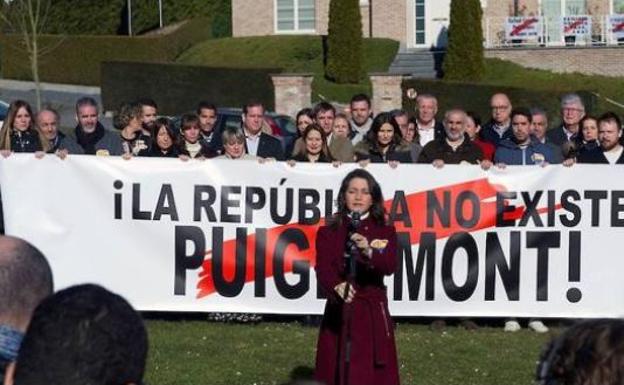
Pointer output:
281, 126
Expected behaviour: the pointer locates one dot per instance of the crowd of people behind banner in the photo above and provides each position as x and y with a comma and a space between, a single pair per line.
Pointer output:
512, 136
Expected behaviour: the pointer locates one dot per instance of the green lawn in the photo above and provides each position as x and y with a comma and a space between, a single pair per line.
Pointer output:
305, 54
293, 54
209, 353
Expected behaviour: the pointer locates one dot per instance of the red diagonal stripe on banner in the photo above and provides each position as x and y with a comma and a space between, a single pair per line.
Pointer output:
618, 27
417, 204
522, 26
573, 26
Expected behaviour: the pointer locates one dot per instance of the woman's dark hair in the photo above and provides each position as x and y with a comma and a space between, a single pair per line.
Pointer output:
586, 118
377, 210
166, 124
378, 122
475, 118
187, 121
307, 112
303, 150
590, 352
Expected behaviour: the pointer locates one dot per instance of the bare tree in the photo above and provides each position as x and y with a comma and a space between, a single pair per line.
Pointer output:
28, 18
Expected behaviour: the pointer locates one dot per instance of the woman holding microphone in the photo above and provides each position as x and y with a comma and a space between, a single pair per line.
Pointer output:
356, 341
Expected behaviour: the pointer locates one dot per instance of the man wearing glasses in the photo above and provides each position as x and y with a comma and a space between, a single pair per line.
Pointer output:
499, 127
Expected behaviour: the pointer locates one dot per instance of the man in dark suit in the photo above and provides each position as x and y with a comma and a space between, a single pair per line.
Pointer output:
499, 127
258, 143
610, 150
572, 111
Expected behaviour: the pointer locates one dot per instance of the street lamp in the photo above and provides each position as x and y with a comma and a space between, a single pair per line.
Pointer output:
129, 17
160, 13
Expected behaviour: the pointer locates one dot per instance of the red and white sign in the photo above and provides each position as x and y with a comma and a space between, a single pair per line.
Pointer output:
616, 26
522, 28
580, 25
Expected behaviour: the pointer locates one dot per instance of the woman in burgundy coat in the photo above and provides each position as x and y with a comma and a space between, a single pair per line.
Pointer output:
361, 314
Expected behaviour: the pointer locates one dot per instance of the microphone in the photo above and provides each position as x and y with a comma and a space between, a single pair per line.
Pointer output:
356, 220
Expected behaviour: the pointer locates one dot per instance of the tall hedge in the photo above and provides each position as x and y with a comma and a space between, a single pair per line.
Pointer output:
97, 17
76, 59
464, 55
344, 42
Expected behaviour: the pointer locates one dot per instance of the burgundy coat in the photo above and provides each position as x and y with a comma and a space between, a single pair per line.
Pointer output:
373, 350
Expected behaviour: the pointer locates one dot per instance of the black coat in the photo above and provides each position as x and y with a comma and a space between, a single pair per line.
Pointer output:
596, 156
559, 137
440, 149
25, 141
490, 135
268, 147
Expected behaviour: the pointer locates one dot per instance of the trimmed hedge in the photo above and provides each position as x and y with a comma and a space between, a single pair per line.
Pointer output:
464, 54
476, 97
97, 17
344, 42
178, 88
76, 59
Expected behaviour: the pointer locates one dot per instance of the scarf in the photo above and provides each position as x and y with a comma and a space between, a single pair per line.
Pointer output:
10, 341
88, 141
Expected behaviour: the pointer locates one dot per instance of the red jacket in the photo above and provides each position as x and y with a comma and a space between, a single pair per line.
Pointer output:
373, 350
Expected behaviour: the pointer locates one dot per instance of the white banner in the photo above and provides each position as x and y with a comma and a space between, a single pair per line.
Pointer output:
580, 26
616, 26
238, 236
523, 28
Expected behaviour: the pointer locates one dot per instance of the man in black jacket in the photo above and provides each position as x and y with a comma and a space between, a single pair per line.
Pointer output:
91, 134
455, 148
609, 135
258, 143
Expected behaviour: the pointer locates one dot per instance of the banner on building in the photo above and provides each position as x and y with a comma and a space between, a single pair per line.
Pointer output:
239, 236
579, 26
616, 26
523, 28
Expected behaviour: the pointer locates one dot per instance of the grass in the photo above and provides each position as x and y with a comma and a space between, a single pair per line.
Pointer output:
292, 54
208, 353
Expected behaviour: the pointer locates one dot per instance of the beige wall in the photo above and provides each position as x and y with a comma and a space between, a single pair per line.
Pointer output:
262, 21
253, 17
389, 19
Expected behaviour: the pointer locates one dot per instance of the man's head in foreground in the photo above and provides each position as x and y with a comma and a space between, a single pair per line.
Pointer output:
83, 335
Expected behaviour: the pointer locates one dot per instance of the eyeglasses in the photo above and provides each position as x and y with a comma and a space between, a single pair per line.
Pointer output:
499, 108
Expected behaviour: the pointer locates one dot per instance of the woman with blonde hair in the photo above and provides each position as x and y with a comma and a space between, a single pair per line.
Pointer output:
18, 133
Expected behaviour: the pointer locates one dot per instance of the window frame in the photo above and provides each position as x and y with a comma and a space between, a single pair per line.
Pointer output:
296, 30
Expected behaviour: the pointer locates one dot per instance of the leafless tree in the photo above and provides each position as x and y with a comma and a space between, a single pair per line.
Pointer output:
28, 19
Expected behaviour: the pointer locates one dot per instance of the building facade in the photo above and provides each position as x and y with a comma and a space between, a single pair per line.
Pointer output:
418, 23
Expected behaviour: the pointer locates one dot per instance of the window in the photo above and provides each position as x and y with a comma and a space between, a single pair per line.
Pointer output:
420, 21
618, 7
295, 15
